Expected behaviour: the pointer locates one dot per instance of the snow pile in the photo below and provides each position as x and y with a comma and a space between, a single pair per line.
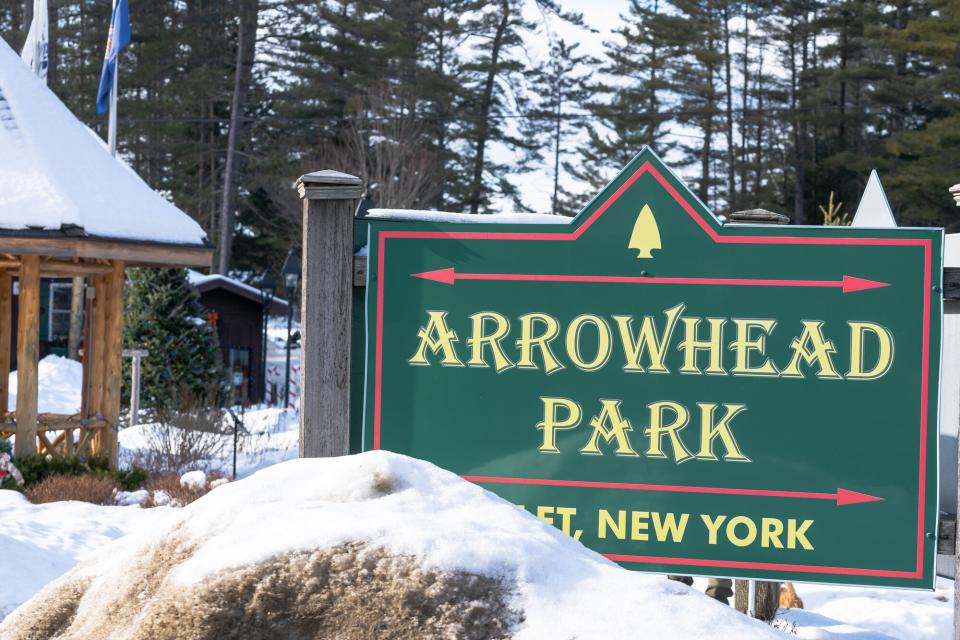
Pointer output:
452, 553
59, 381
38, 543
195, 480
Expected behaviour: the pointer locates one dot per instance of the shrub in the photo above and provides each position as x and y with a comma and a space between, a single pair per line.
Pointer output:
186, 437
85, 488
37, 468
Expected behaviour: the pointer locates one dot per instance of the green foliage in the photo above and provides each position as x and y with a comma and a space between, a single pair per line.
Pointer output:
163, 315
38, 467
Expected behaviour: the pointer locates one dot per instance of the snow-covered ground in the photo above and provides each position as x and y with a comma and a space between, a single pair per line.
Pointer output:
59, 381
40, 542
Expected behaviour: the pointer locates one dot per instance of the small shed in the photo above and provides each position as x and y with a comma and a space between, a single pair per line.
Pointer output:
70, 209
239, 311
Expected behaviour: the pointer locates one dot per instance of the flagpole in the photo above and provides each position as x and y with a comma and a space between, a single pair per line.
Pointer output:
112, 127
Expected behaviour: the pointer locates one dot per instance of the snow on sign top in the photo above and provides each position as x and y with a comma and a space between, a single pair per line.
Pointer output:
54, 173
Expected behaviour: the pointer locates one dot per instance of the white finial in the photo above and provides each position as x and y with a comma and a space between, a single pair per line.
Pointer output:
874, 210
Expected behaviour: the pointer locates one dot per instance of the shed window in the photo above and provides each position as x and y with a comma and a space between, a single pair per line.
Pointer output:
58, 311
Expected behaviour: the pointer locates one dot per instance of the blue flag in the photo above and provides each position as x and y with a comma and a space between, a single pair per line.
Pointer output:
118, 38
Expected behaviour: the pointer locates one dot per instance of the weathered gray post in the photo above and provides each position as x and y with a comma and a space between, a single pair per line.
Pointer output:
329, 201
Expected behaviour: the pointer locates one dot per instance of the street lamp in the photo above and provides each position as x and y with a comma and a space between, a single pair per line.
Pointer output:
268, 287
291, 278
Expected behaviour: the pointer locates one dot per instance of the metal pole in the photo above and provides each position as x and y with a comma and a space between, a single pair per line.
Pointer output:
286, 384
135, 390
112, 129
236, 431
752, 599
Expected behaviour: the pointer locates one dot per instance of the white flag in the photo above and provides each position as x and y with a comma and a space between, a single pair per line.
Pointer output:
34, 52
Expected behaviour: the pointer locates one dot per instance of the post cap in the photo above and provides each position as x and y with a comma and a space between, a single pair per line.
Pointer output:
758, 216
329, 185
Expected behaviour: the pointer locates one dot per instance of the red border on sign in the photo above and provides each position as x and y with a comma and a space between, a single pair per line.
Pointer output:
647, 167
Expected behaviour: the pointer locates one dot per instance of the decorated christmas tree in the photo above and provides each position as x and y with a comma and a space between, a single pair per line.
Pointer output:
164, 316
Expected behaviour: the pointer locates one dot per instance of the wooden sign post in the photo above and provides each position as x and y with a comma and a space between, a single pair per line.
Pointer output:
329, 202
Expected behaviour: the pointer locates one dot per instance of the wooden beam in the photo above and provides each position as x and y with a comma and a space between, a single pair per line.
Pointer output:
134, 253
6, 337
111, 354
28, 355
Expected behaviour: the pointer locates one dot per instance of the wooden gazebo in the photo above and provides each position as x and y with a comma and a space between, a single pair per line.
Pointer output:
69, 208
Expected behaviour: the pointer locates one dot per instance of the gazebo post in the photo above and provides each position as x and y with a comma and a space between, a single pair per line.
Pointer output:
28, 355
6, 329
112, 357
93, 353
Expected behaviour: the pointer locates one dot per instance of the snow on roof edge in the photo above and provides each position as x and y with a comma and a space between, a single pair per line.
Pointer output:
467, 218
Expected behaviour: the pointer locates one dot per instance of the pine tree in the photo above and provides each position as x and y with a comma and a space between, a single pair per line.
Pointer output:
163, 315
632, 111
563, 88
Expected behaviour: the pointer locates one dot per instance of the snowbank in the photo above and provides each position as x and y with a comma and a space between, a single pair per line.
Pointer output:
59, 381
39, 543
383, 511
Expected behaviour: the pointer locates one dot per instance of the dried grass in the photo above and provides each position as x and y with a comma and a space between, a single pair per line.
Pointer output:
170, 484
351, 592
85, 488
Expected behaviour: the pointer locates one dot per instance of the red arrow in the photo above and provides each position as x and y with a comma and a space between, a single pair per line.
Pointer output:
842, 497
847, 284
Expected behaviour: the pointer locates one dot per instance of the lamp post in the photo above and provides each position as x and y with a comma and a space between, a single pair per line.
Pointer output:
291, 279
268, 287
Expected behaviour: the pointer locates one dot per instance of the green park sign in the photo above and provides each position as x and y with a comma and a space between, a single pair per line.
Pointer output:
681, 395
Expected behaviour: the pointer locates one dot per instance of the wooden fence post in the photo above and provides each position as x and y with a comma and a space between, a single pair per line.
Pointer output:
767, 593
329, 202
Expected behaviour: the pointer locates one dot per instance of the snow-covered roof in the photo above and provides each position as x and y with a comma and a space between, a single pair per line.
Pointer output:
204, 282
54, 175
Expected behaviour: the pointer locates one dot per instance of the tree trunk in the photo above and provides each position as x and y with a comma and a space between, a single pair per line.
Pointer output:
556, 149
731, 165
768, 598
486, 103
52, 34
243, 72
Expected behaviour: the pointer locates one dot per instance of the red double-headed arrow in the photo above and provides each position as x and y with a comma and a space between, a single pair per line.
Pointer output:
846, 284
842, 497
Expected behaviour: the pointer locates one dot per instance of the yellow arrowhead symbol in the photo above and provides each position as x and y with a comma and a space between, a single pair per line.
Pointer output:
646, 236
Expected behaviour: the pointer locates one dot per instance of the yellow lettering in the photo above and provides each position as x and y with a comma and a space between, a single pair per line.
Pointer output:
647, 340
618, 527
884, 355
436, 336
772, 529
798, 534
713, 526
713, 345
639, 524
658, 429
669, 526
732, 531
527, 341
819, 351
744, 345
479, 338
603, 341
710, 431
619, 426
552, 421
